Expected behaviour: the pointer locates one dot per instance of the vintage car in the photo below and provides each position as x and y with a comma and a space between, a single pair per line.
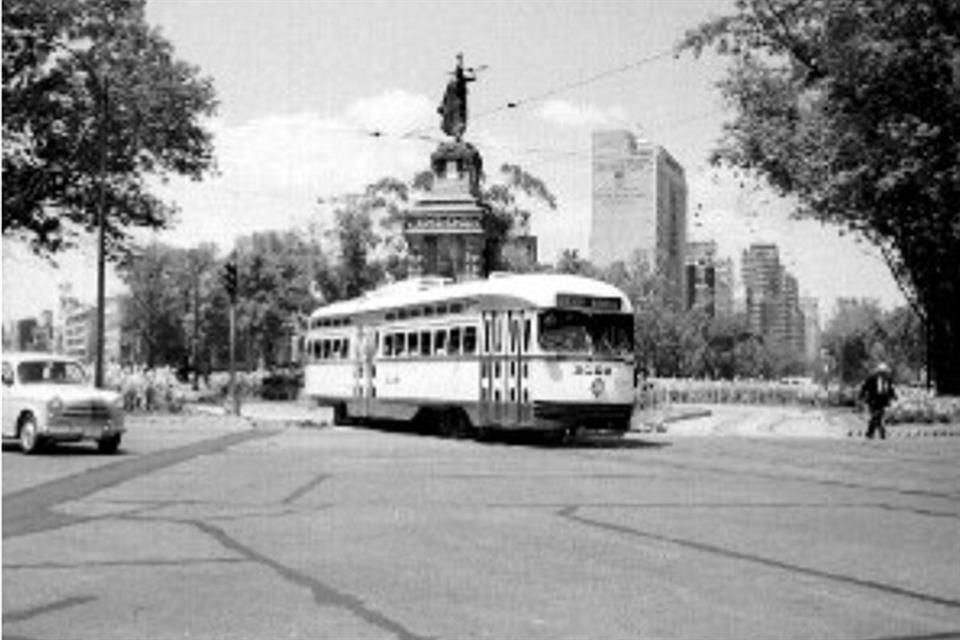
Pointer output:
48, 399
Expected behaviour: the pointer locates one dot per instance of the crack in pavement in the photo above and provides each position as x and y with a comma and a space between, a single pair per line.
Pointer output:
785, 476
29, 510
306, 488
323, 594
33, 612
185, 562
570, 513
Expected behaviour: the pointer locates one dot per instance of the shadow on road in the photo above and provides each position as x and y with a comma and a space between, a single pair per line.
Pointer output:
532, 439
65, 449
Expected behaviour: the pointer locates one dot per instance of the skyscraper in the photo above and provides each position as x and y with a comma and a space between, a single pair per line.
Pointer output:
708, 279
773, 299
810, 308
639, 206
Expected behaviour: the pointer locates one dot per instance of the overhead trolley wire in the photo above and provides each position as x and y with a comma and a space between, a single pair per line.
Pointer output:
561, 88
576, 84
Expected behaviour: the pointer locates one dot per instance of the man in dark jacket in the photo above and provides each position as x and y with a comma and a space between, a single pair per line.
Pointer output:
878, 392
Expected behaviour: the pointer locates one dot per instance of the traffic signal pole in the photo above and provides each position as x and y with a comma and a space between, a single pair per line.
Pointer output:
230, 282
234, 400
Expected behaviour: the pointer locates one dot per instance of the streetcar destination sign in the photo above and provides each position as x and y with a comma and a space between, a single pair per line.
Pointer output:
566, 300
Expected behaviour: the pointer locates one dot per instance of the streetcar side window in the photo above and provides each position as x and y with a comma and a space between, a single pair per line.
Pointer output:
388, 345
398, 346
425, 343
453, 346
470, 340
412, 343
440, 342
345, 348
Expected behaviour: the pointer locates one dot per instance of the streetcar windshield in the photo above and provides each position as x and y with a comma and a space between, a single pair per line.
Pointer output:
568, 331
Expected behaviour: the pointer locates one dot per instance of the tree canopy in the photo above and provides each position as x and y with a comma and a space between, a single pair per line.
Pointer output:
853, 108
94, 97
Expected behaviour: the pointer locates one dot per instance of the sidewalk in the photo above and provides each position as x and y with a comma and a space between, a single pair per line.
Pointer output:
773, 421
297, 412
300, 413
740, 420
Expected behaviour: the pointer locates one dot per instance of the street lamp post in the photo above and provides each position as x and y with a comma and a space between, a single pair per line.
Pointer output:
101, 231
102, 97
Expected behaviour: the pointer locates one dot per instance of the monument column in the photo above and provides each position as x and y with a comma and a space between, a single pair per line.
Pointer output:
448, 228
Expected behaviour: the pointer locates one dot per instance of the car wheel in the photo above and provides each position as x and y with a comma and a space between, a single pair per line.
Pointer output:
29, 438
109, 445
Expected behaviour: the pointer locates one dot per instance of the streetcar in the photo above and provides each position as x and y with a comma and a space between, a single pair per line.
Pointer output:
543, 352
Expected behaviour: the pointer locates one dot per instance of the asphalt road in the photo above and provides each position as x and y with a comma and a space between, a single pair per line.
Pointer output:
220, 531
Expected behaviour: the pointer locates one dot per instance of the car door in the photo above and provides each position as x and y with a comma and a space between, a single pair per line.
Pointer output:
9, 410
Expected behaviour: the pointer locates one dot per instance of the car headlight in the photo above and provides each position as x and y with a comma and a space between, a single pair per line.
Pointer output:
54, 407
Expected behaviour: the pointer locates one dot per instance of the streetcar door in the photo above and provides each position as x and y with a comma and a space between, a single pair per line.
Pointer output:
488, 381
370, 370
365, 371
517, 369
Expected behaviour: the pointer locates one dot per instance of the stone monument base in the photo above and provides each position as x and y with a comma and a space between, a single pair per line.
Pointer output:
447, 230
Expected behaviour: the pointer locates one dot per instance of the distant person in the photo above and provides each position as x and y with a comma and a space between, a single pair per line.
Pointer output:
878, 392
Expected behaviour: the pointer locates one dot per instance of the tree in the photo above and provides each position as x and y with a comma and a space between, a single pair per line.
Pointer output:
278, 272
513, 201
853, 108
368, 226
571, 262
850, 337
155, 312
93, 99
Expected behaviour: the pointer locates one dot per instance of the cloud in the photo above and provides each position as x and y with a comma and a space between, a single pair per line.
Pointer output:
567, 114
272, 170
395, 112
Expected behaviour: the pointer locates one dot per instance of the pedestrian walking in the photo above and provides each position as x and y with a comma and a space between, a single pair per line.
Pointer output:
877, 393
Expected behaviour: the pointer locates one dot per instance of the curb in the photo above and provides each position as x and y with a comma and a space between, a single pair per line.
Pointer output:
660, 425
913, 432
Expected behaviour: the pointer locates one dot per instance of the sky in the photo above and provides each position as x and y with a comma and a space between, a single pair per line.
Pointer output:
302, 84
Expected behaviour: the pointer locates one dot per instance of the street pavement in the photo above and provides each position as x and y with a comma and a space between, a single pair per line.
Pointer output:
678, 420
281, 526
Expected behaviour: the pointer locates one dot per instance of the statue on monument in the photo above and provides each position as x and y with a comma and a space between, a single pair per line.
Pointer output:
453, 108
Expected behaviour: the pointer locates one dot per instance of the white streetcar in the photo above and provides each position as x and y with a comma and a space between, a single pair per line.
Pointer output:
545, 352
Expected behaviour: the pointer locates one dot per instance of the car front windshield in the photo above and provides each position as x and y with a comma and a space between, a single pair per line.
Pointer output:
50, 372
567, 331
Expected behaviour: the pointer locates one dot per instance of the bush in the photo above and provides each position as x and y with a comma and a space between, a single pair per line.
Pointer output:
916, 406
913, 405
147, 390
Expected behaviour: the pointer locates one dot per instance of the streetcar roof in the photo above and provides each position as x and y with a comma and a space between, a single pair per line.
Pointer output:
530, 290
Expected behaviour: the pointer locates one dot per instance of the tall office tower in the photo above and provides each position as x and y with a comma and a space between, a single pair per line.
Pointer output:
708, 279
761, 281
723, 287
790, 317
810, 308
639, 206
773, 309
